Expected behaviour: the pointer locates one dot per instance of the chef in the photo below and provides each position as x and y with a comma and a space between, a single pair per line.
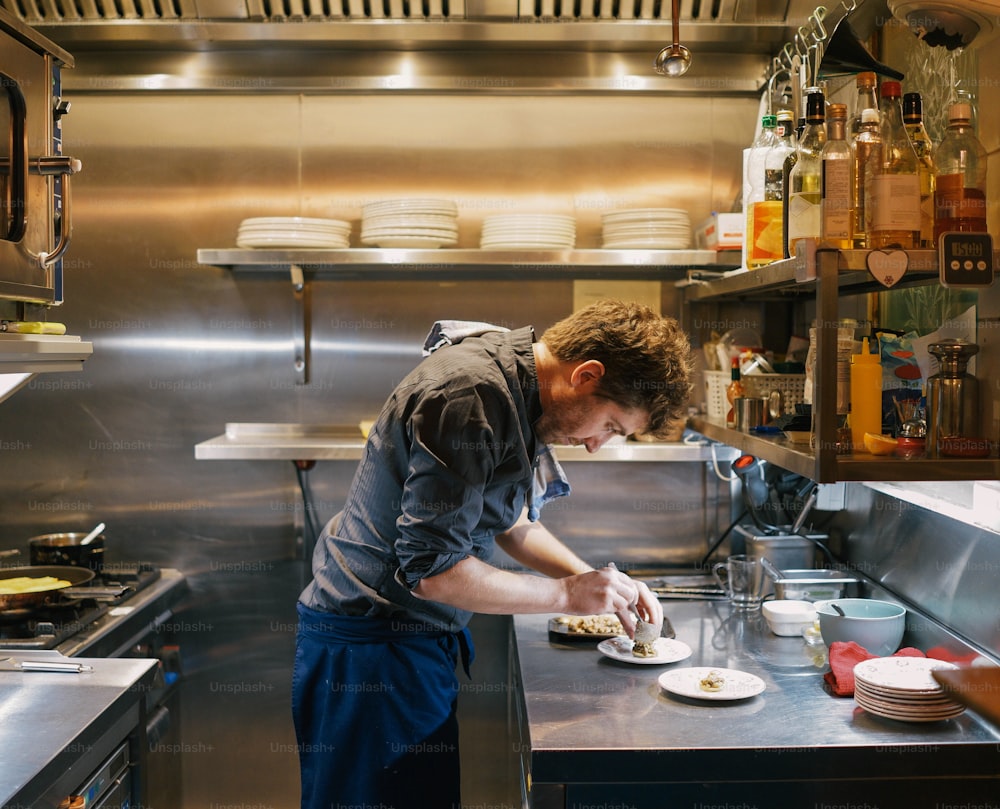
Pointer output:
457, 463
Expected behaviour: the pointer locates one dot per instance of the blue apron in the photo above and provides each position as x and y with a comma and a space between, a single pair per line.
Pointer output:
374, 701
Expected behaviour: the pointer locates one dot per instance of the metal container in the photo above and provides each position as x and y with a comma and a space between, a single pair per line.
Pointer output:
786, 551
814, 585
952, 395
65, 549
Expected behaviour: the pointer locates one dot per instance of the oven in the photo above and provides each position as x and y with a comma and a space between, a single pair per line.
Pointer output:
126, 611
34, 174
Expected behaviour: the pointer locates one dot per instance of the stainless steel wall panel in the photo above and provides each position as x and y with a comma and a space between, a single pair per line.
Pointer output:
180, 349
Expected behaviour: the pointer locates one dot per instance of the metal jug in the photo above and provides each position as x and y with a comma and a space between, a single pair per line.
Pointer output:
952, 395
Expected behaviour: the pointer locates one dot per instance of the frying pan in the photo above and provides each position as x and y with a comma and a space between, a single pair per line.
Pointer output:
76, 576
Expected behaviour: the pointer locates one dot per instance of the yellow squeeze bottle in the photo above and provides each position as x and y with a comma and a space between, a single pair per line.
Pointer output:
866, 396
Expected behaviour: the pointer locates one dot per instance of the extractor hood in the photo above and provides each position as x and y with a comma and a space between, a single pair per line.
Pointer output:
708, 26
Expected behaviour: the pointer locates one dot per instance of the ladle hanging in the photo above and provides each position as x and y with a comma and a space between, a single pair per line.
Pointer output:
675, 59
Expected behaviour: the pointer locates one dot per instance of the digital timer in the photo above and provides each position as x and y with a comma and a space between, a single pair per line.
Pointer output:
965, 259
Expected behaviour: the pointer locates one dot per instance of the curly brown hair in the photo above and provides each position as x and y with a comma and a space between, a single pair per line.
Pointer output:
646, 357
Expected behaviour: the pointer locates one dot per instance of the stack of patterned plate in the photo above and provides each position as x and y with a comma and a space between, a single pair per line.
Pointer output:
416, 223
647, 228
293, 231
530, 231
903, 688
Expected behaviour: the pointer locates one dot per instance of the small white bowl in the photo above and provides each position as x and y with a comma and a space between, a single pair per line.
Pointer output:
788, 617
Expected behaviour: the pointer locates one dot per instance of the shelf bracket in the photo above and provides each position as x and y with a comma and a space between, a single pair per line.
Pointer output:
300, 323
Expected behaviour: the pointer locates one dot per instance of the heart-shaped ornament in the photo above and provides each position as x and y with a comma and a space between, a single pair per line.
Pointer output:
888, 266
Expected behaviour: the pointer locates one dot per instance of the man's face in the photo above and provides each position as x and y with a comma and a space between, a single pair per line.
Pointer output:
578, 416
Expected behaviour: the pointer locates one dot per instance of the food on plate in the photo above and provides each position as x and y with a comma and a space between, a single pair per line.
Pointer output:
592, 624
640, 649
712, 682
30, 584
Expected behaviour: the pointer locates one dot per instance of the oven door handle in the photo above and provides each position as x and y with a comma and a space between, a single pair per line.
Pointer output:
49, 166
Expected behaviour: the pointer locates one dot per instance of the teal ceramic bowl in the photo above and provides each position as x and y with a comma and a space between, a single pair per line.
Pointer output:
878, 626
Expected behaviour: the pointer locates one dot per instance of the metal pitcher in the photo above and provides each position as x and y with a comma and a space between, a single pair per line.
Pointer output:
952, 395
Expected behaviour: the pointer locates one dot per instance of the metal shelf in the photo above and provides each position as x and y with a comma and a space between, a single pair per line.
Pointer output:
797, 277
374, 264
308, 442
827, 275
859, 467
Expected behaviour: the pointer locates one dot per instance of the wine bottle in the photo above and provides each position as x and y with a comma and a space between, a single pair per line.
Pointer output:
892, 185
913, 120
805, 179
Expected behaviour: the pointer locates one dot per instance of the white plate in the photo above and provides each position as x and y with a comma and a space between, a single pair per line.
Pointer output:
411, 203
668, 650
505, 245
422, 242
909, 674
295, 221
281, 241
684, 683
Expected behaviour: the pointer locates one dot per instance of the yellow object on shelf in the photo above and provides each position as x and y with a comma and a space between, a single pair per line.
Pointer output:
33, 327
878, 444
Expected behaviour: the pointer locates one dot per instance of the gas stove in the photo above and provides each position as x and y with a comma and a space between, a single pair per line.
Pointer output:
129, 601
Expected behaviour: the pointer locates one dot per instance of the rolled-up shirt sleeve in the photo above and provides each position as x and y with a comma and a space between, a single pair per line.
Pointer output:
454, 451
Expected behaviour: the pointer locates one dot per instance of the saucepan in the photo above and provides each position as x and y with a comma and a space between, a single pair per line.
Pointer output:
67, 549
75, 576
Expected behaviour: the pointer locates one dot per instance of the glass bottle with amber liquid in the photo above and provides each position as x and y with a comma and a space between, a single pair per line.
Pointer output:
913, 121
960, 193
869, 138
837, 189
892, 184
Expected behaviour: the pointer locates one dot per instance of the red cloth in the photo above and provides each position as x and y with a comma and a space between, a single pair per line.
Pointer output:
844, 657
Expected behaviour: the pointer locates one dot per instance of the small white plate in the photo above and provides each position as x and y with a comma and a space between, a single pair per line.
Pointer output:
684, 683
668, 650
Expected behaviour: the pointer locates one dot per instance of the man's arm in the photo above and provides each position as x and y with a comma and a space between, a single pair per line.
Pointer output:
571, 586
534, 546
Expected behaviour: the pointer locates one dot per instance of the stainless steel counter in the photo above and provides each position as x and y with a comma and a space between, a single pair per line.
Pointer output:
57, 728
594, 729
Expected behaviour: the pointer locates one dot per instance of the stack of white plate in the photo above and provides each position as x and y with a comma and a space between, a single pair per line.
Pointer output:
293, 231
530, 231
647, 228
903, 688
415, 223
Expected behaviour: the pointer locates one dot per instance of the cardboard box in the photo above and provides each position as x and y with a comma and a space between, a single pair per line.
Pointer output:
721, 231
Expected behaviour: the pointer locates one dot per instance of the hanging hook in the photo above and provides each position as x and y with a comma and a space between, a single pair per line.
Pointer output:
816, 19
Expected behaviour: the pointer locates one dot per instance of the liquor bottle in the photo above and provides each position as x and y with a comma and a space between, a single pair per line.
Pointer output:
767, 244
914, 122
837, 191
960, 192
786, 171
867, 99
758, 217
805, 178
735, 390
892, 185
869, 138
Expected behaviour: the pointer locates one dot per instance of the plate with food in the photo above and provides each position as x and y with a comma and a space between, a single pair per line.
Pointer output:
710, 682
584, 627
658, 653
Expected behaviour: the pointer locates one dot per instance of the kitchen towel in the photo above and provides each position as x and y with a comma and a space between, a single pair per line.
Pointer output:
844, 657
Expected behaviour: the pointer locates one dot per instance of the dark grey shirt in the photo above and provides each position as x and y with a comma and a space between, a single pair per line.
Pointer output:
448, 465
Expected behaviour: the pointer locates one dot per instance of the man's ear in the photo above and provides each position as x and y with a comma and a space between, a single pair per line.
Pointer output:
587, 373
